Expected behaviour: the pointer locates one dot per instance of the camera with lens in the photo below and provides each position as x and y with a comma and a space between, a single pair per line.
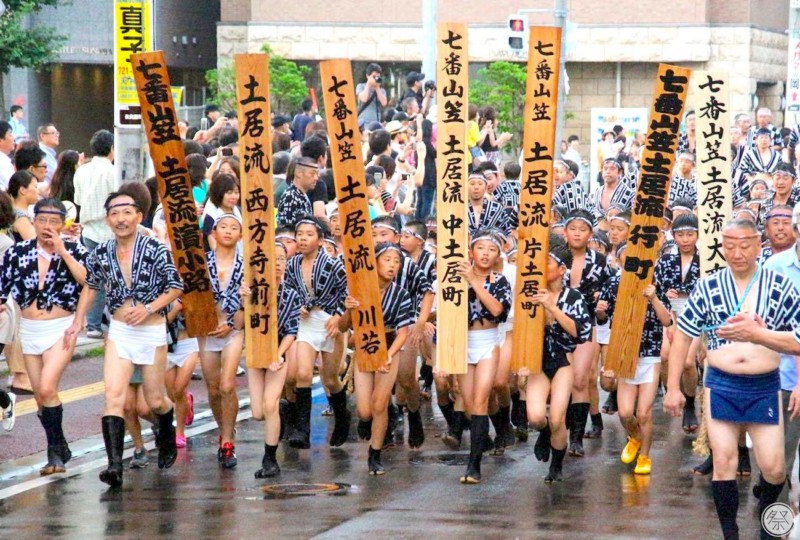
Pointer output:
378, 79
430, 85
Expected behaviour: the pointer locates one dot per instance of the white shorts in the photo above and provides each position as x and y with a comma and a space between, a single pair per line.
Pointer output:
481, 344
215, 344
39, 336
678, 305
312, 331
604, 333
183, 349
503, 328
137, 343
646, 369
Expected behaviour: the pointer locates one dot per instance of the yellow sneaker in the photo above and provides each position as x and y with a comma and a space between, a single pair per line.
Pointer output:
630, 450
643, 465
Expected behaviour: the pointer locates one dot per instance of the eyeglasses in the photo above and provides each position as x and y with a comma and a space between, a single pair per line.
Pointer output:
51, 133
55, 222
39, 166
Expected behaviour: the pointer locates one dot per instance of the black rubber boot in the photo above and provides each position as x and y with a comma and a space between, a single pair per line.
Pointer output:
690, 423
341, 426
63, 448
744, 468
51, 422
479, 429
610, 406
519, 416
580, 415
167, 452
705, 468
416, 435
726, 499
498, 446
453, 437
114, 438
286, 412
769, 494
508, 429
301, 435
269, 464
542, 447
374, 463
596, 431
393, 412
448, 413
364, 429
556, 466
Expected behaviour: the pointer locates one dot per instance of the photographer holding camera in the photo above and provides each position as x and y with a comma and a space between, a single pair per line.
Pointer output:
423, 96
371, 97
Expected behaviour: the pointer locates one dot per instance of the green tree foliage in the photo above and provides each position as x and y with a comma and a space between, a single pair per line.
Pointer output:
22, 46
288, 84
502, 85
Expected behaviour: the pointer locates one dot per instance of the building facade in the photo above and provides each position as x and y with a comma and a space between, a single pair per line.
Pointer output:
77, 92
612, 55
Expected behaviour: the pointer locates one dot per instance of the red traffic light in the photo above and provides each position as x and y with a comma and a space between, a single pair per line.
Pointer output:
516, 25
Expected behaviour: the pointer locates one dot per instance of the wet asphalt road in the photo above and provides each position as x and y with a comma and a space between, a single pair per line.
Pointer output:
420, 496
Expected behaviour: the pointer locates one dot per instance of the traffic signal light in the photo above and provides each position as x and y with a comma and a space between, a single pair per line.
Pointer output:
517, 33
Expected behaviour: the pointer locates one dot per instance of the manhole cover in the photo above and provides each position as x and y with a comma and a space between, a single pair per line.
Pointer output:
305, 489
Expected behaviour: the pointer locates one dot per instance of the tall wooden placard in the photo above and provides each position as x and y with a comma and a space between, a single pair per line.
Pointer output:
536, 194
341, 114
452, 244
714, 197
258, 210
175, 190
655, 174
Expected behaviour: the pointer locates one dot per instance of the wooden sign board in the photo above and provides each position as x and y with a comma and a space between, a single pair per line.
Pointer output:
714, 197
341, 114
536, 194
452, 243
258, 210
175, 190
647, 221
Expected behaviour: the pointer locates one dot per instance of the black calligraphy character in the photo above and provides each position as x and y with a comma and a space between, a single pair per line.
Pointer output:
452, 64
453, 112
371, 343
648, 234
255, 323
343, 132
536, 183
540, 112
649, 206
653, 184
181, 209
255, 157
454, 169
260, 292
712, 109
713, 150
540, 48
657, 164
542, 91
529, 287
716, 250
253, 124
340, 110
672, 82
531, 271
163, 125
538, 153
453, 90
337, 84
714, 131
640, 268
452, 248
355, 224
452, 193
452, 223
451, 273
367, 317
532, 247
543, 71
451, 39
259, 230
661, 141
715, 222
257, 200
360, 259
451, 294
666, 122
452, 144
187, 236
534, 215
349, 189
251, 86
668, 104
711, 84
346, 151
259, 260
